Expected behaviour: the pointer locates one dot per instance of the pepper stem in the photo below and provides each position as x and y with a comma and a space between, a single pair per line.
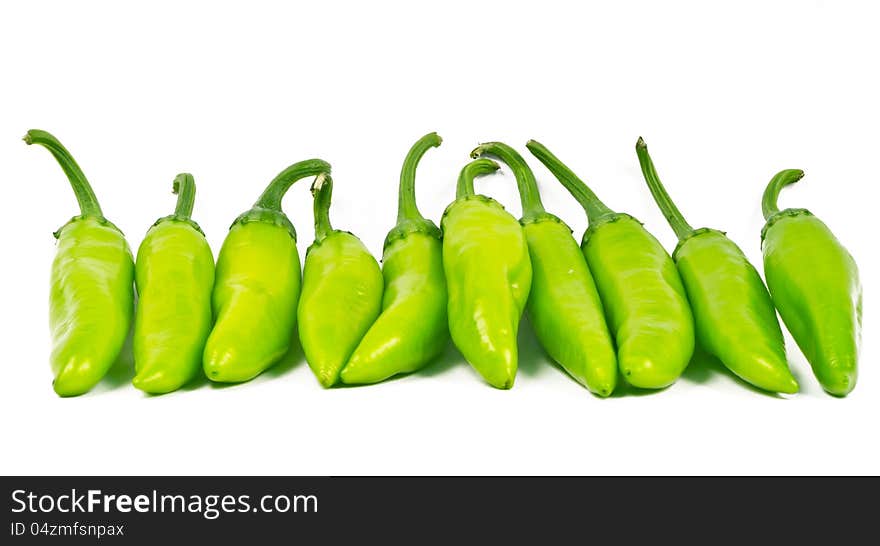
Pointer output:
477, 167
322, 191
674, 216
85, 196
525, 179
271, 197
185, 187
771, 194
407, 211
593, 206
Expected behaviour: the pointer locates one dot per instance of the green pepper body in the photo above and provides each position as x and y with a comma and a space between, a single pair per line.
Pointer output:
257, 285
412, 328
645, 301
342, 293
488, 274
734, 315
565, 310
90, 303
175, 277
91, 296
563, 305
815, 285
641, 291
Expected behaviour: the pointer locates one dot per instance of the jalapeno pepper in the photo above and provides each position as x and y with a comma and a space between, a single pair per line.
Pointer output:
175, 277
412, 328
815, 285
733, 313
563, 306
641, 291
92, 285
342, 292
257, 285
488, 274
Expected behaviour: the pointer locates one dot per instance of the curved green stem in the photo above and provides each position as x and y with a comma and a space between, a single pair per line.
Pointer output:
185, 188
477, 167
593, 206
271, 197
85, 196
322, 192
771, 193
407, 211
674, 216
525, 179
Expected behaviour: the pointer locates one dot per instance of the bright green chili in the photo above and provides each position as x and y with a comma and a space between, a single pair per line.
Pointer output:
92, 285
342, 292
733, 313
564, 307
488, 274
175, 277
257, 285
640, 288
412, 328
815, 285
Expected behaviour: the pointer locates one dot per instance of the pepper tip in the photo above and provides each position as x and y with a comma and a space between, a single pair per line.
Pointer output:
641, 145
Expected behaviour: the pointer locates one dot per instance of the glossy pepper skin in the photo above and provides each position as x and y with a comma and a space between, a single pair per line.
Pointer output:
640, 288
815, 285
488, 275
174, 273
563, 306
92, 286
342, 292
412, 328
257, 285
733, 313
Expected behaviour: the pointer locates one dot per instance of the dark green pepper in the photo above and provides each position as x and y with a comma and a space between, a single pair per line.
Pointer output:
734, 315
342, 292
92, 285
488, 274
175, 277
641, 291
412, 328
564, 307
815, 285
257, 285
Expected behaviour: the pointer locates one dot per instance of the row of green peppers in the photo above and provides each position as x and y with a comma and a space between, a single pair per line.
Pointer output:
617, 305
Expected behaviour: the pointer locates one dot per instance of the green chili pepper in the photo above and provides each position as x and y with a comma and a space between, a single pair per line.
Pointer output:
564, 306
815, 285
412, 328
640, 289
734, 316
257, 285
342, 292
175, 276
92, 285
488, 274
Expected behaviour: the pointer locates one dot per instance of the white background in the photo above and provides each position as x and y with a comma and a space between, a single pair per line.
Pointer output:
725, 95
